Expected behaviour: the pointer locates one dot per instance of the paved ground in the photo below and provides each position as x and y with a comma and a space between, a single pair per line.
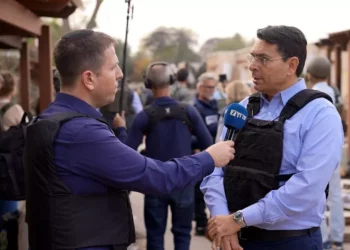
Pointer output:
197, 243
200, 243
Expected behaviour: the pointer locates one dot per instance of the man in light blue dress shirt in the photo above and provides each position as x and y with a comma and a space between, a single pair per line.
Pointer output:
310, 150
318, 71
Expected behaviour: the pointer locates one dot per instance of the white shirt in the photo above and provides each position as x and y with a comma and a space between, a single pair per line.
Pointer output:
324, 87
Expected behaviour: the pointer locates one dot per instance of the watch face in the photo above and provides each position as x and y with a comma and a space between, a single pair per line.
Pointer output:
238, 215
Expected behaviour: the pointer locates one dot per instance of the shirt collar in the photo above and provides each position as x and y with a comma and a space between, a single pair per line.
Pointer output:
77, 105
211, 104
321, 84
288, 93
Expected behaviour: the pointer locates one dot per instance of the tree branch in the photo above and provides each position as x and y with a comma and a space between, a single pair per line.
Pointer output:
66, 28
92, 23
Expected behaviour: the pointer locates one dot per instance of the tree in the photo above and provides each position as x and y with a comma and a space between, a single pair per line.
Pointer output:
119, 47
140, 62
171, 44
232, 43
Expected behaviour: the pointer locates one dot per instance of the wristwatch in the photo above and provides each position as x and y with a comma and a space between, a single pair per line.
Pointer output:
239, 219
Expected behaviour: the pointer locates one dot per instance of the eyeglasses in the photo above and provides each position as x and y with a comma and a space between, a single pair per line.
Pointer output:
208, 87
261, 59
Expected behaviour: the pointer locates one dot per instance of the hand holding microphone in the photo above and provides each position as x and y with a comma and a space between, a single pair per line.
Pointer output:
222, 152
234, 119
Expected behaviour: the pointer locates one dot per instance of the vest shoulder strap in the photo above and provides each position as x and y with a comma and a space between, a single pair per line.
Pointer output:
157, 113
67, 116
300, 100
253, 106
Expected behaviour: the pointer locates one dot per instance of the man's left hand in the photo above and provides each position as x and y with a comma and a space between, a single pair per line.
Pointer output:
222, 225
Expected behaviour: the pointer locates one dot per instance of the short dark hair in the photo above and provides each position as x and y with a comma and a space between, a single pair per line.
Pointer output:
182, 75
290, 42
78, 51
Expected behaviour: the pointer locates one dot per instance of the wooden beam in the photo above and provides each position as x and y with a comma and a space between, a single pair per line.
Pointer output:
16, 15
329, 56
10, 42
52, 5
25, 77
64, 13
338, 65
45, 69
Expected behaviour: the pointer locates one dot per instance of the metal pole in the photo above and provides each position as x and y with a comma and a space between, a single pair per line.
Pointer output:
124, 58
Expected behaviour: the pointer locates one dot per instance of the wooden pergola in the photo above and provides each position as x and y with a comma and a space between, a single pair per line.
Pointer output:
20, 19
338, 42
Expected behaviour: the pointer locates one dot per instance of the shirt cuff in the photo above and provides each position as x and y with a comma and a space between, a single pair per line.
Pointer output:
219, 210
253, 214
119, 130
206, 161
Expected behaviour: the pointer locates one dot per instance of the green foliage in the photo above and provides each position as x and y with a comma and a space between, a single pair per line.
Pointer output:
173, 45
232, 43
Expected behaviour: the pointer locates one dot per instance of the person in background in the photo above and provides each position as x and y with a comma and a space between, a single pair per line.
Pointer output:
236, 91
205, 102
146, 96
179, 90
11, 115
208, 109
318, 71
11, 112
168, 120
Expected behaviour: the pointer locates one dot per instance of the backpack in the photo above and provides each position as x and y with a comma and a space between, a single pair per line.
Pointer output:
11, 161
157, 113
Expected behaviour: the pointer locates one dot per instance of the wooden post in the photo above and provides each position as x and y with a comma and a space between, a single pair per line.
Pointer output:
338, 66
25, 77
45, 69
348, 116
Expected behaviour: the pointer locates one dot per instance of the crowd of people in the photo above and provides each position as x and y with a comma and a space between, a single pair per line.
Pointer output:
265, 190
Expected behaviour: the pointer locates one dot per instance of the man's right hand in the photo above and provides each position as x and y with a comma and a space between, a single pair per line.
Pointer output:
222, 152
229, 242
119, 120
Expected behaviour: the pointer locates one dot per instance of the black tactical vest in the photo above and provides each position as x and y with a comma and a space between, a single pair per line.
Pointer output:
157, 113
254, 172
58, 219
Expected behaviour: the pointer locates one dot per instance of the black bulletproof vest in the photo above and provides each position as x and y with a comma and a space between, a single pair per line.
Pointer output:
58, 219
254, 172
157, 113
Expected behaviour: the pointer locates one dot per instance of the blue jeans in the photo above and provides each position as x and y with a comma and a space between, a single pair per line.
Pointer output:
156, 214
311, 241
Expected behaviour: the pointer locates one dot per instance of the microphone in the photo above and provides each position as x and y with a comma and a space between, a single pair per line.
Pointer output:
234, 119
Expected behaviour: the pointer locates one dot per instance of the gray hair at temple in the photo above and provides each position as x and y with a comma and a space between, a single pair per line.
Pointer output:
207, 76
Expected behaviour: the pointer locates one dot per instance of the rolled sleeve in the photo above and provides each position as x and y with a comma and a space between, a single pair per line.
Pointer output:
214, 193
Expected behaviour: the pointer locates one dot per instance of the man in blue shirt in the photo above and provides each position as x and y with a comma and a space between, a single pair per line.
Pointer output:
167, 120
76, 173
318, 71
205, 103
288, 216
208, 109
